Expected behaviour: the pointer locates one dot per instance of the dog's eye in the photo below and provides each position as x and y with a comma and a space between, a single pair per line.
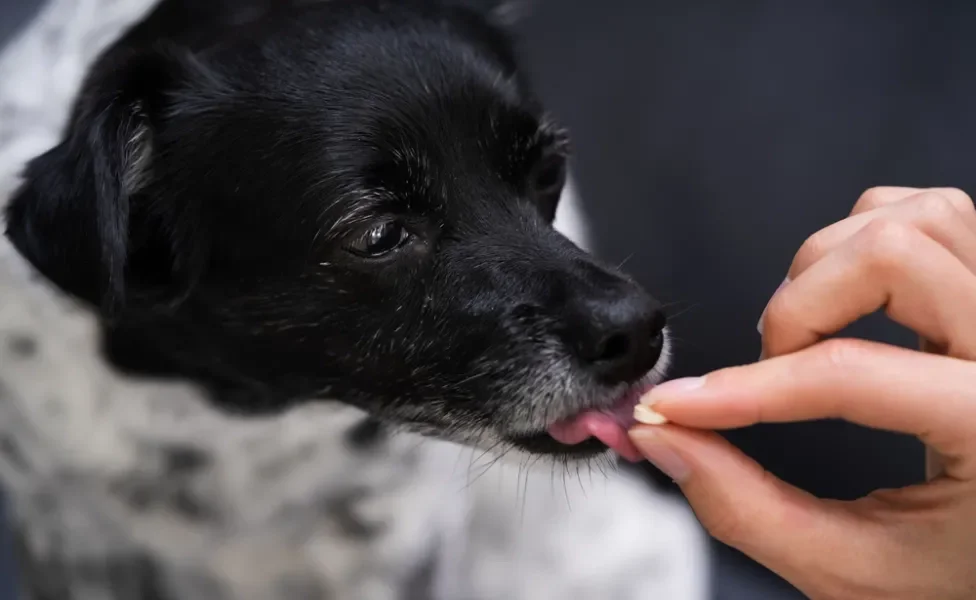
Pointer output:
549, 176
379, 239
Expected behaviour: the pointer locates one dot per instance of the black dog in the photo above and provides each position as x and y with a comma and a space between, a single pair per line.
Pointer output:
347, 199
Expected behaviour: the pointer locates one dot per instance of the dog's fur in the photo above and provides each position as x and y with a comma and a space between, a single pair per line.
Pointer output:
217, 180
226, 165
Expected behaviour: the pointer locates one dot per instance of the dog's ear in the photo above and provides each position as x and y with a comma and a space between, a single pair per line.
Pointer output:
71, 216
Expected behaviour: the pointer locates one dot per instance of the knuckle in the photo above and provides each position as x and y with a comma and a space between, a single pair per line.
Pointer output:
812, 248
841, 354
885, 243
874, 197
960, 199
878, 196
936, 207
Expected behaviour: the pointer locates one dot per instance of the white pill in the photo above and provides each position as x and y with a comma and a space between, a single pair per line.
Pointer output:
648, 416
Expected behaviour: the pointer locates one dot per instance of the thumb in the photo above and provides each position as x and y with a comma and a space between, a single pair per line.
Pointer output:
789, 531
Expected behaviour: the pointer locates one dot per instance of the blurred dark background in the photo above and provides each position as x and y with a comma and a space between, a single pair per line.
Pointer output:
712, 137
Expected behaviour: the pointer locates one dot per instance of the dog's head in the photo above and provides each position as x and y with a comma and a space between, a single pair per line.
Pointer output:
353, 202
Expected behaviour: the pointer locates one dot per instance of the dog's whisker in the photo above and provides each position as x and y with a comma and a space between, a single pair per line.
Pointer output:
565, 473
500, 456
684, 311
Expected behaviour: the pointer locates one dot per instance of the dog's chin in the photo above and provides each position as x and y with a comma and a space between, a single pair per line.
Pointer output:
543, 444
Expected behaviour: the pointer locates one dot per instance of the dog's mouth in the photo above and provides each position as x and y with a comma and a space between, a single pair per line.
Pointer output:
592, 430
609, 425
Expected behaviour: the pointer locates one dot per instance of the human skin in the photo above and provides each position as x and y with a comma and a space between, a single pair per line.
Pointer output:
912, 253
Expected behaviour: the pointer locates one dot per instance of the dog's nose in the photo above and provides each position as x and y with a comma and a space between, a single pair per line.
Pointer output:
621, 338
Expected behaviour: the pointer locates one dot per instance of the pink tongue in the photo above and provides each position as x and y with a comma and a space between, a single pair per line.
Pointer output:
609, 429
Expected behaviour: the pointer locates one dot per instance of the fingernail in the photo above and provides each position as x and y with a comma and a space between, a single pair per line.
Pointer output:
652, 445
670, 389
762, 316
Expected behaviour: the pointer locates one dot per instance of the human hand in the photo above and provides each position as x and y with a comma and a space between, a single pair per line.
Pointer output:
913, 253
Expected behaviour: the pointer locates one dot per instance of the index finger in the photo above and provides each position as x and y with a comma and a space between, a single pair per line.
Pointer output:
875, 385
886, 265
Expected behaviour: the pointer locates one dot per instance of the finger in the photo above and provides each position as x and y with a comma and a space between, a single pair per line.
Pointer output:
952, 223
738, 502
878, 197
870, 384
886, 265
934, 462
870, 201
